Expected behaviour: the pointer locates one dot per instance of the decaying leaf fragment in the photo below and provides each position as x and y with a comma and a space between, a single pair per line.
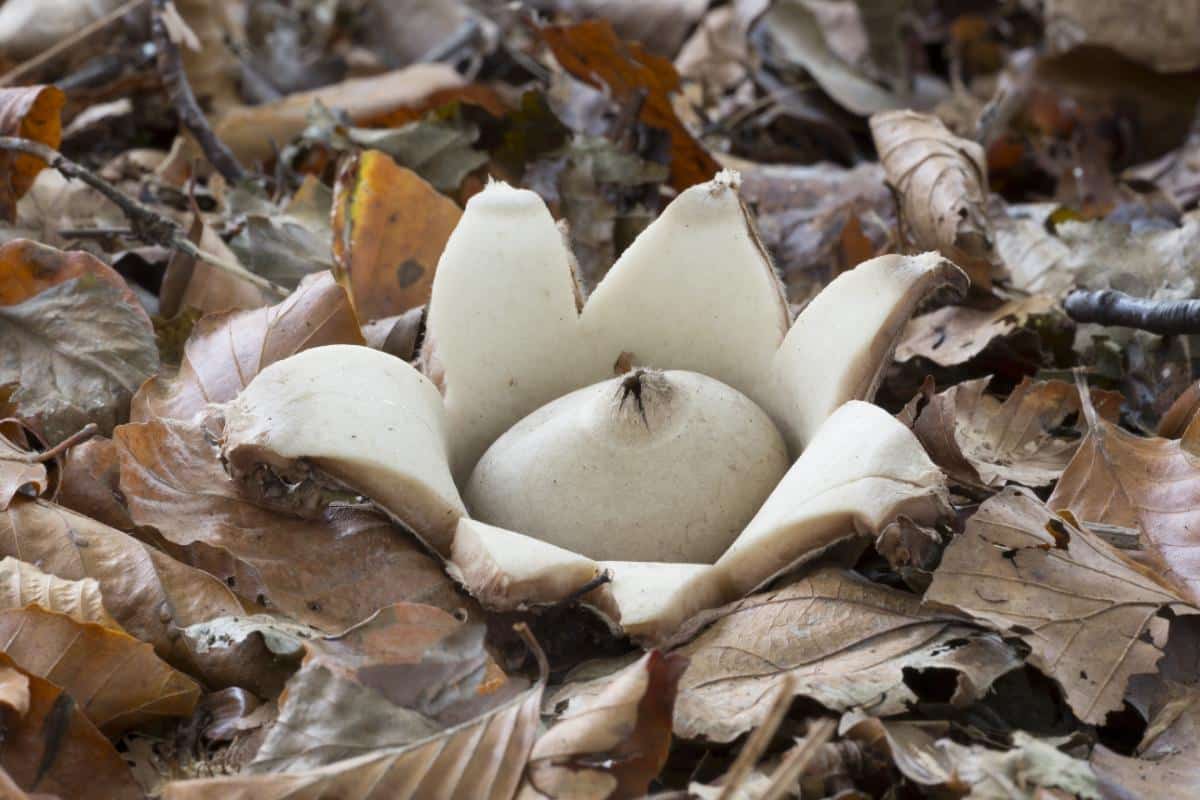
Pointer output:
30, 112
612, 744
1150, 484
23, 584
225, 351
982, 441
1167, 761
846, 643
956, 334
591, 51
389, 229
77, 342
1091, 617
941, 181
50, 746
18, 470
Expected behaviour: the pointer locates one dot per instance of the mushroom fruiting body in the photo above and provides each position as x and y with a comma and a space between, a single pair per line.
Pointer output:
652, 466
733, 449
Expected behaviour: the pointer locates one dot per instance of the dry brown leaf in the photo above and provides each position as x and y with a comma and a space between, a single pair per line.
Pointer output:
395, 679
660, 26
253, 132
53, 749
592, 53
612, 744
118, 682
858, 640
1091, 617
23, 584
484, 757
226, 351
1151, 485
14, 690
30, 112
1167, 762
90, 483
1164, 35
397, 336
956, 334
78, 342
18, 472
941, 181
150, 594
331, 571
389, 229
983, 442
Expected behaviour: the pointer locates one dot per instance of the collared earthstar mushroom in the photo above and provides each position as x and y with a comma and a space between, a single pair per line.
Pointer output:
732, 448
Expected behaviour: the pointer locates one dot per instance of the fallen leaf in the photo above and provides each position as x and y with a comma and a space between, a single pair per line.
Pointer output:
395, 679
1165, 40
1091, 617
941, 186
253, 132
484, 757
53, 748
955, 334
398, 336
796, 38
389, 228
23, 584
1149, 484
151, 595
1025, 772
29, 112
78, 346
90, 482
859, 639
330, 571
440, 151
592, 53
18, 472
1167, 762
226, 351
612, 744
984, 442
118, 682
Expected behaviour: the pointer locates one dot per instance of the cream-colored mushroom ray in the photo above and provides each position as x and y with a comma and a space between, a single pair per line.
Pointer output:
366, 418
840, 344
655, 598
503, 330
506, 570
695, 291
861, 470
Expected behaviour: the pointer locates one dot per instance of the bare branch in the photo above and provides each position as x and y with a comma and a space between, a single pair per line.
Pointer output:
1110, 307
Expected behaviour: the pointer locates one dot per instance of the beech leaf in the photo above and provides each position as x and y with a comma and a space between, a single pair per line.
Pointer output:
23, 584
1092, 618
845, 642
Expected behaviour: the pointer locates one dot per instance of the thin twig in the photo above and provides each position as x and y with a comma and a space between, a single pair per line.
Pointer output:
78, 437
49, 54
174, 78
797, 759
1110, 307
146, 225
756, 743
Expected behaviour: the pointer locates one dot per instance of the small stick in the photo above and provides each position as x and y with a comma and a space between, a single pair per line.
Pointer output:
62, 46
179, 91
78, 437
757, 741
786, 775
1110, 307
147, 225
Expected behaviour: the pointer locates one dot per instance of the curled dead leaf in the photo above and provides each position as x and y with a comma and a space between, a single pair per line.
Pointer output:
941, 183
22, 584
956, 334
29, 112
